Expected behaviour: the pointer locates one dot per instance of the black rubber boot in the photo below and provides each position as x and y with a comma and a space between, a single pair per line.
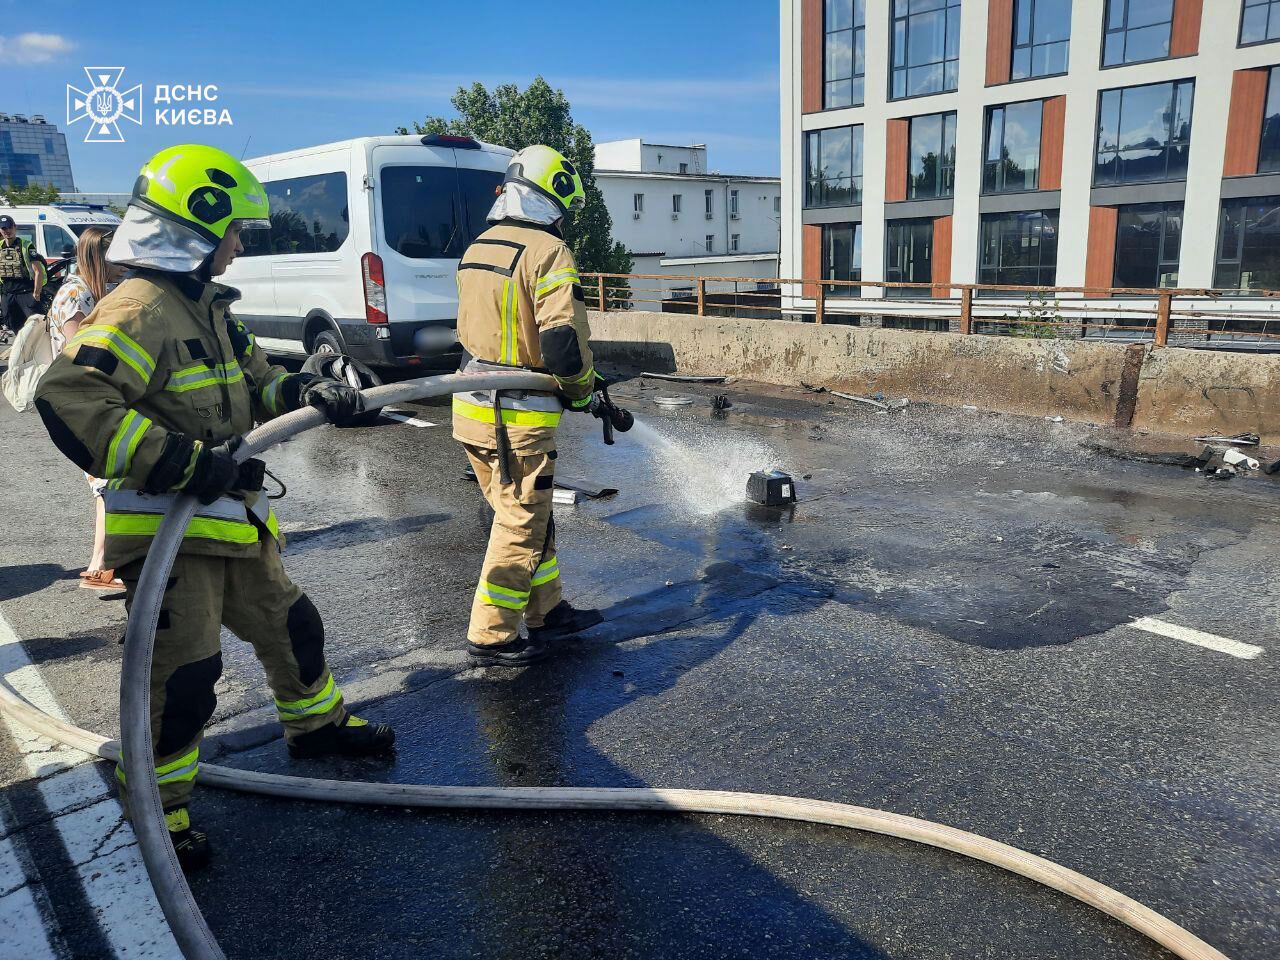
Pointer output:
354, 738
191, 846
563, 621
519, 652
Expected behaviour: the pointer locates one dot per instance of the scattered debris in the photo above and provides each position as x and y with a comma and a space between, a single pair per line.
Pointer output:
773, 488
671, 583
469, 473
1234, 458
684, 378
588, 491
809, 476
1242, 439
1143, 456
786, 546
1267, 468
899, 404
720, 402
1054, 419
812, 389
1221, 473
867, 400
671, 400
564, 498
970, 407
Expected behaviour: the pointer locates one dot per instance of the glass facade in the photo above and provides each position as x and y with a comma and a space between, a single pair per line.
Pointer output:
1019, 249
844, 53
1249, 245
842, 257
34, 153
926, 47
1260, 21
1144, 133
1137, 31
1041, 38
908, 256
1148, 243
931, 171
1011, 163
833, 167
1269, 149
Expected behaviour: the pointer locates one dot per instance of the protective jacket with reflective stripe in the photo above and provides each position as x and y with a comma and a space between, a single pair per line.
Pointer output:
520, 304
159, 369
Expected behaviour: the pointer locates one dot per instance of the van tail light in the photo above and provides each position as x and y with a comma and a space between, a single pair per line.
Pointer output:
375, 289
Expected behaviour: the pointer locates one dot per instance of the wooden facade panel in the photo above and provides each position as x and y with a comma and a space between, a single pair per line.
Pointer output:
942, 254
811, 257
811, 55
1099, 266
1187, 14
999, 41
895, 166
1053, 122
1244, 123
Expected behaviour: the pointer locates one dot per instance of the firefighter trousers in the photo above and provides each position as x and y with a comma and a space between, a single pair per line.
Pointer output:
255, 599
520, 579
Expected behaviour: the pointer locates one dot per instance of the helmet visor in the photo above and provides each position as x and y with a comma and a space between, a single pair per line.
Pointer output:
247, 224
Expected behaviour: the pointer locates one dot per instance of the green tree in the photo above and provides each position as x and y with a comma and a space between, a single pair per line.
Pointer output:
32, 193
517, 119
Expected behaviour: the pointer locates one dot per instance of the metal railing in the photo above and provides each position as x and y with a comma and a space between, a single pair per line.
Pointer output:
1192, 317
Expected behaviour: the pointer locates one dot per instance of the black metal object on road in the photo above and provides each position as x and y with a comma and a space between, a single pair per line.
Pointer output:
773, 488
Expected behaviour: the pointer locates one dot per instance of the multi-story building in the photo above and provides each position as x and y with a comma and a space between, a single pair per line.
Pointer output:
679, 219
33, 151
1098, 143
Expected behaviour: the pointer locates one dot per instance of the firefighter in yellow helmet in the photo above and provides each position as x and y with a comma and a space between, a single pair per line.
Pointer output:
520, 306
154, 393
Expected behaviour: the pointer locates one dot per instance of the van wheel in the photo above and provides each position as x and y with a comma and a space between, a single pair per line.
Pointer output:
326, 341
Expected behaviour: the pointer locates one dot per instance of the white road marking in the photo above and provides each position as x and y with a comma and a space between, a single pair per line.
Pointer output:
19, 913
89, 822
1245, 651
406, 418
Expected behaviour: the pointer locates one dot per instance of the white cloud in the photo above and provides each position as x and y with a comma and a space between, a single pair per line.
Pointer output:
33, 48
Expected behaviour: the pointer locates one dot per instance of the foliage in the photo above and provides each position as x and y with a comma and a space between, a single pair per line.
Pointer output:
1031, 322
510, 117
34, 193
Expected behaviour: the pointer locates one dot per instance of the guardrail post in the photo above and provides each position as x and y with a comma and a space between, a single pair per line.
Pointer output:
820, 303
966, 310
604, 304
1164, 307
702, 296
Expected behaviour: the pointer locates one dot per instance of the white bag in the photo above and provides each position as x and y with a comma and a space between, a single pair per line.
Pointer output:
29, 358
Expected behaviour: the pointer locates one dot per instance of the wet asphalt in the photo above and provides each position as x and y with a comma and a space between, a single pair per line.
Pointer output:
940, 628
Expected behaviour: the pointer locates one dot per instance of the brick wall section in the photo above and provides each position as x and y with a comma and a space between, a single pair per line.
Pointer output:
1187, 14
1052, 126
811, 56
999, 41
895, 167
1099, 266
1244, 124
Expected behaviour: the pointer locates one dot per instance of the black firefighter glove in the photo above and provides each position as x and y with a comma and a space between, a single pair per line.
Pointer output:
216, 472
340, 401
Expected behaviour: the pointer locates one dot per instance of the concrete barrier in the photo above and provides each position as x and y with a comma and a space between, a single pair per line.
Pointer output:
1171, 390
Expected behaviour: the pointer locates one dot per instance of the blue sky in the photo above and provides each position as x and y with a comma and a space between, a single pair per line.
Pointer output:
297, 73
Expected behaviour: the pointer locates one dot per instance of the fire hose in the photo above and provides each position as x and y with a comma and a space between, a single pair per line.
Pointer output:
183, 914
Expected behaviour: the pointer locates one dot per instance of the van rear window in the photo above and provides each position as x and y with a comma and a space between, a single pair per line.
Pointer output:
435, 212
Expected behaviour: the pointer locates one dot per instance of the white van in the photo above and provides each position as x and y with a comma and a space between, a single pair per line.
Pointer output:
363, 250
54, 228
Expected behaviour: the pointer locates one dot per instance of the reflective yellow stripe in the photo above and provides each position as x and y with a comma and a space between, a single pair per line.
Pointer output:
557, 278
546, 572
193, 378
519, 418
312, 706
184, 768
124, 442
122, 345
204, 528
271, 393
509, 333
497, 596
579, 381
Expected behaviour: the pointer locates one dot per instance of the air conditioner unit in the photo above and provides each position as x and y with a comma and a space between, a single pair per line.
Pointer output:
733, 216
635, 216
710, 215
675, 216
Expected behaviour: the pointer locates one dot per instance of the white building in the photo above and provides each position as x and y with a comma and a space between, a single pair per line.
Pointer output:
679, 219
1095, 143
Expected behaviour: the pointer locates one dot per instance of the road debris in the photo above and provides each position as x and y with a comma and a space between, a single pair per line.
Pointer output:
720, 402
1144, 456
1270, 468
564, 498
1054, 419
671, 400
1234, 458
773, 488
867, 400
684, 378
1241, 439
586, 489
812, 389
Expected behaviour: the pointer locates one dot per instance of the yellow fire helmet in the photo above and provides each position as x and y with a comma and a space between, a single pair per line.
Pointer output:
203, 188
547, 171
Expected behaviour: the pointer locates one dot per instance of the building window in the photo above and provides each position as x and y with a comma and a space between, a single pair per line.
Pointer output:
777, 204
926, 47
708, 199
676, 200
908, 256
710, 243
1019, 249
842, 257
1137, 31
733, 204
932, 163
1148, 242
735, 241
1012, 161
1260, 22
1144, 133
684, 168
844, 60
637, 202
1269, 151
1041, 38
833, 167
1249, 245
